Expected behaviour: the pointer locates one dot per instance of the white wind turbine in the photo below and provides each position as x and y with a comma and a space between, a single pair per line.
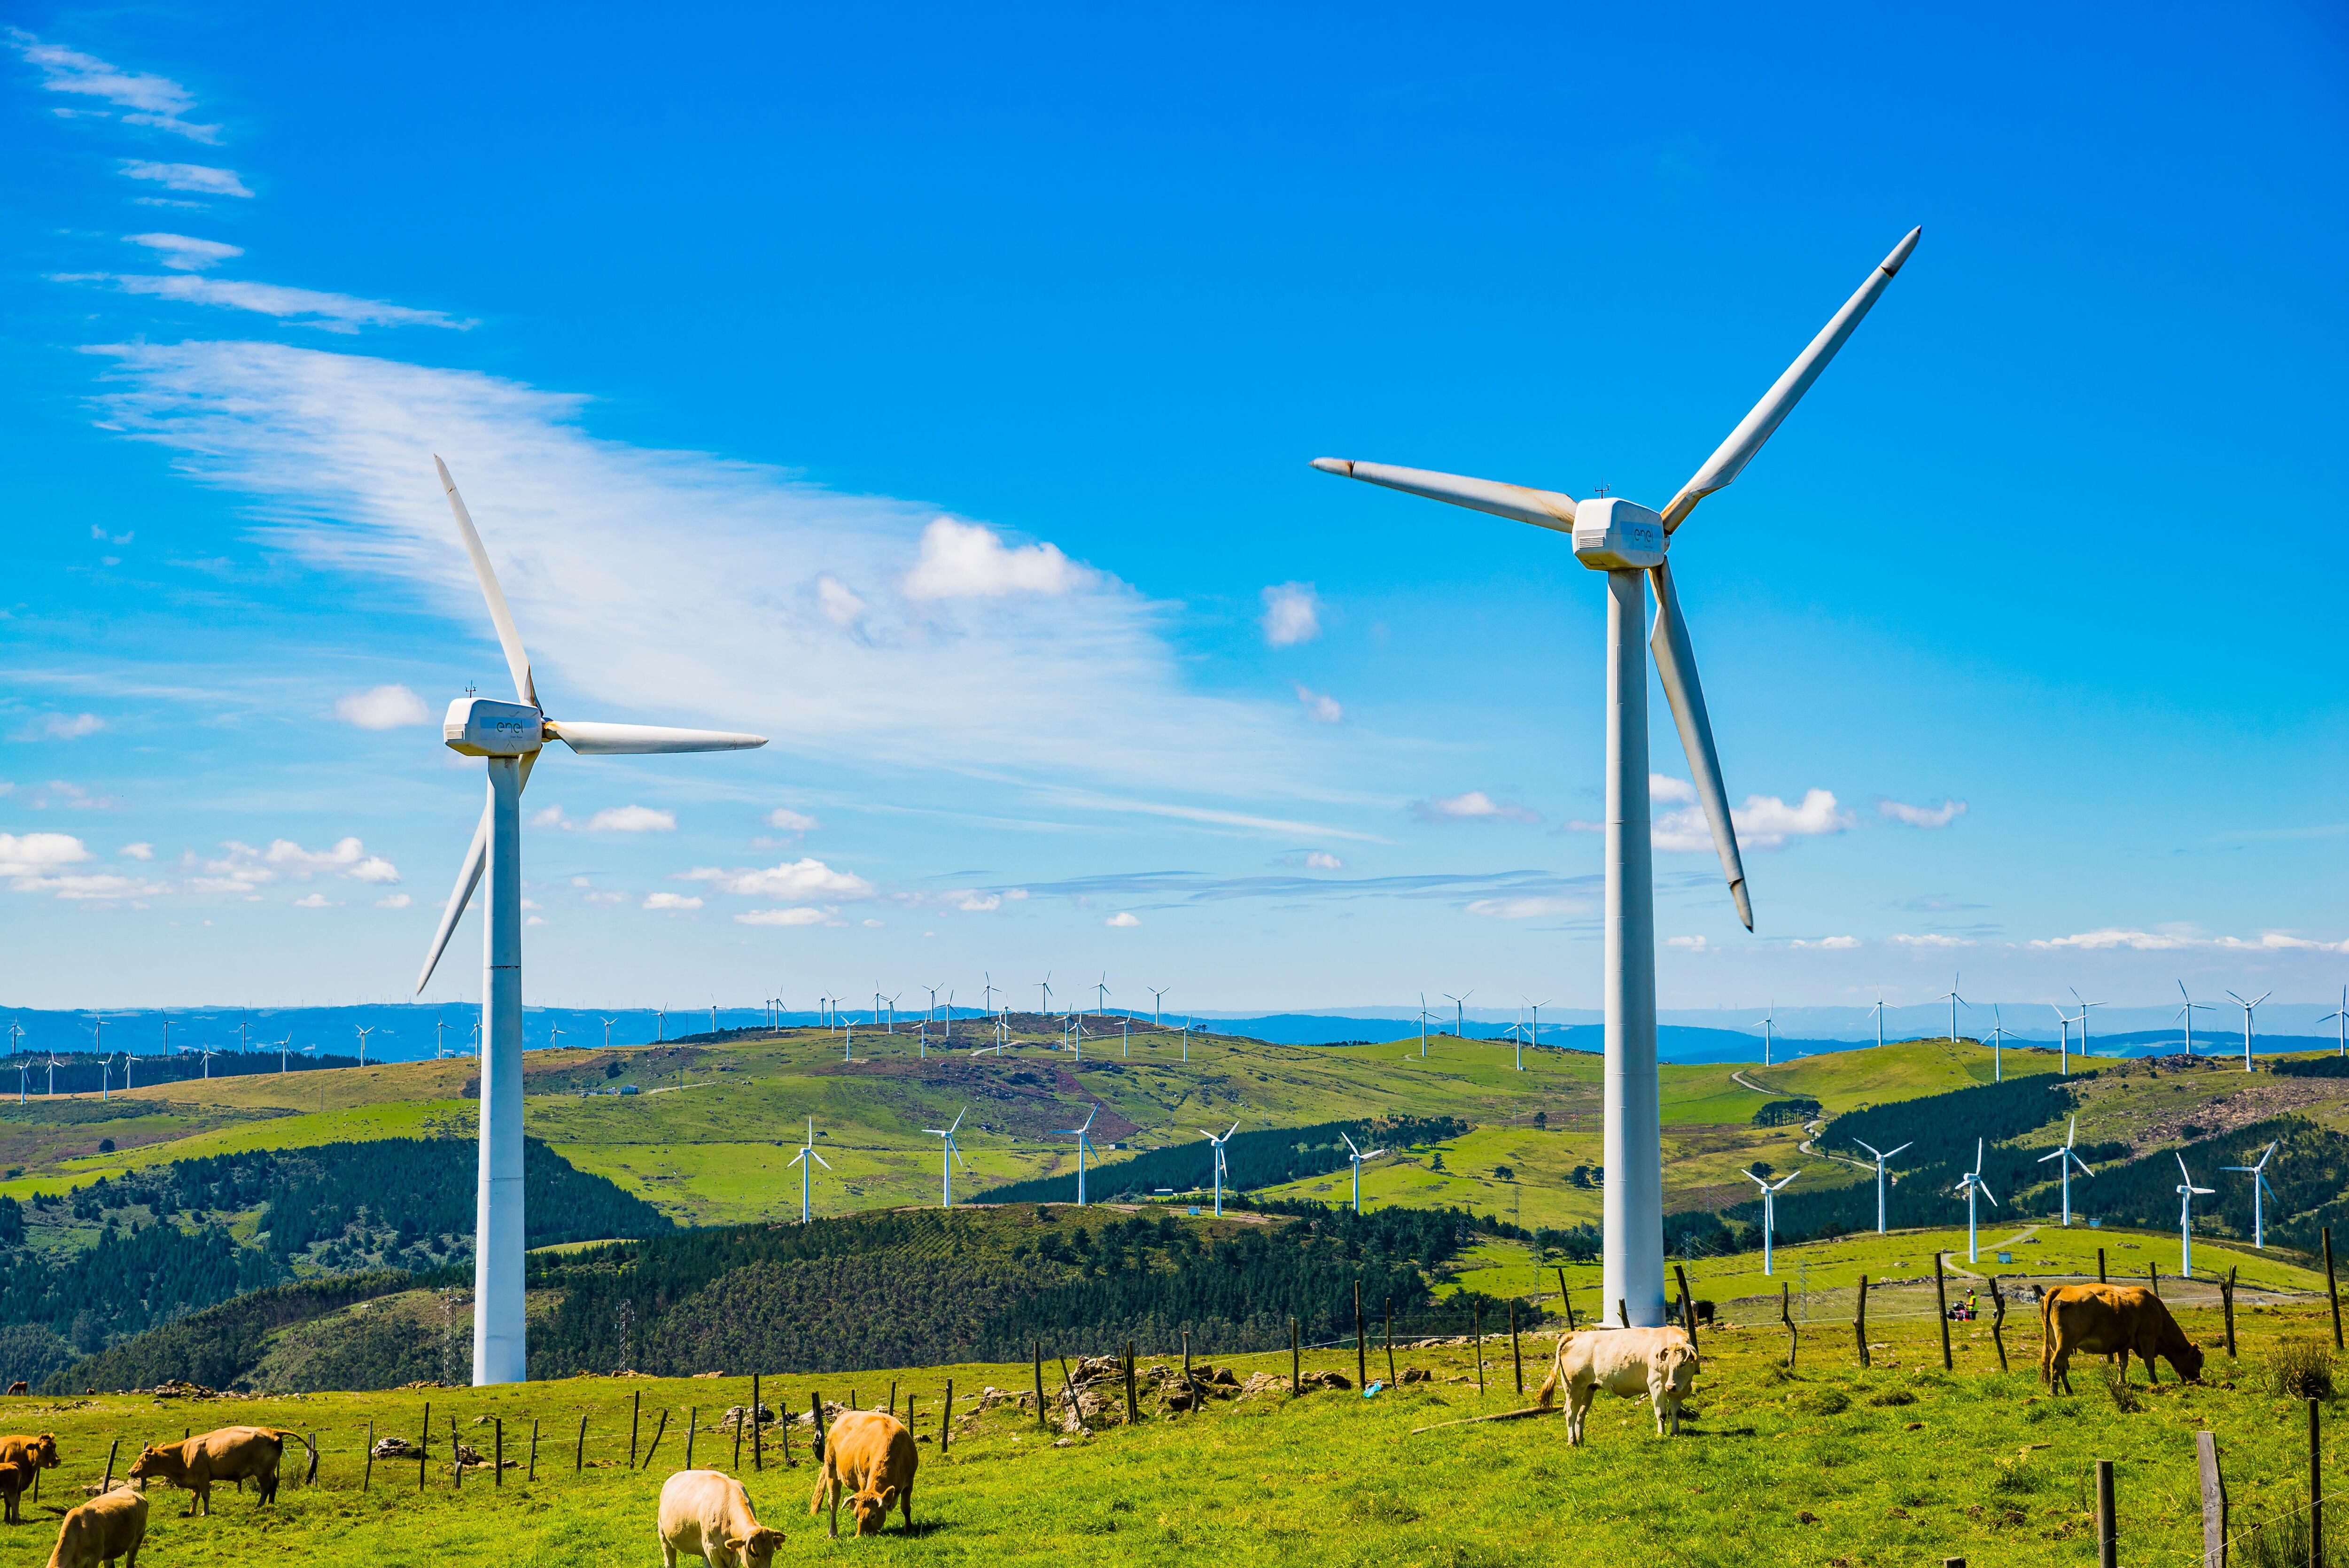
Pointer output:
2063, 1041
1533, 1030
1460, 1013
510, 737
2341, 1017
1882, 1156
1352, 1153
1422, 1026
1998, 1033
1971, 1183
1955, 1002
1187, 1038
1769, 1209
2247, 1007
607, 1024
1768, 1022
1157, 1003
807, 1170
950, 1155
1084, 1135
2257, 1172
1879, 1011
1629, 543
2085, 1005
2187, 1013
2066, 1163
1219, 1145
2187, 1193
362, 1035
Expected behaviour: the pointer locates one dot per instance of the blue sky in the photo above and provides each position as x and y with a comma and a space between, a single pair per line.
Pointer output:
934, 394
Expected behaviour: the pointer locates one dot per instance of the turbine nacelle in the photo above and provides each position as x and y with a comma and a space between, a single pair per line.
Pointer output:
485, 727
1611, 534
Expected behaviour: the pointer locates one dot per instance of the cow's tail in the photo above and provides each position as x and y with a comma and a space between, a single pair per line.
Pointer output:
1548, 1396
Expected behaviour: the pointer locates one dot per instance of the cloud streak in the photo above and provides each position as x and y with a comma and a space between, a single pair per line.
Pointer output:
305, 307
156, 102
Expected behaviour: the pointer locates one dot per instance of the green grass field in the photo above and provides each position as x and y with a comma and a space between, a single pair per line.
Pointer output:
1823, 1464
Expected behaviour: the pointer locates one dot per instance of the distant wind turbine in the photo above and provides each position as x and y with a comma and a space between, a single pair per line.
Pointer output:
1768, 1022
1955, 1002
1459, 1012
807, 1171
1879, 1011
1044, 987
2066, 1162
1357, 1156
1972, 1183
363, 1040
1769, 1209
950, 1155
2341, 1017
2187, 1012
1219, 1145
2247, 1007
607, 1024
1882, 1156
1998, 1033
2085, 1005
2187, 1193
2063, 1042
1157, 1003
2257, 1172
1082, 1133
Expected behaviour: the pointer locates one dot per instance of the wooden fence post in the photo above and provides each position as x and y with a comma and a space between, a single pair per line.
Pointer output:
2108, 1528
946, 1418
783, 1426
111, 1448
1038, 1346
1133, 1403
636, 1413
1859, 1321
498, 1454
1787, 1316
1190, 1384
693, 1429
1566, 1298
2227, 1305
423, 1446
1998, 1321
1941, 1295
1296, 1361
456, 1456
2315, 1489
2214, 1501
2100, 1267
758, 1431
1361, 1357
659, 1432
815, 1411
1476, 1313
1516, 1354
367, 1476
579, 1454
533, 1450
738, 1440
1688, 1307
2331, 1289
2153, 1277
1623, 1312
1391, 1366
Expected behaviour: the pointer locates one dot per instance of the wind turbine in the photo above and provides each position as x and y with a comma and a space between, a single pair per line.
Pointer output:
607, 1024
2187, 1193
2257, 1172
1460, 1014
1628, 543
1219, 1145
1516, 1032
1768, 1022
440, 1024
807, 1171
1769, 1209
2247, 1008
1879, 1011
510, 736
1353, 1153
2066, 1163
1084, 1135
950, 1155
2085, 1005
1998, 1033
1955, 1002
1045, 988
17, 1034
1422, 1026
660, 1024
1971, 1183
1101, 1000
1158, 1004
2187, 1013
2341, 1017
1882, 1156
1187, 1038
2063, 1041
554, 1033
986, 992
1533, 1029
363, 1039
53, 1075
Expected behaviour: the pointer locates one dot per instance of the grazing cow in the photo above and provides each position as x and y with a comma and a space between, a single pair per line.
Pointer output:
110, 1525
15, 1475
707, 1513
2107, 1320
1661, 1363
870, 1456
40, 1450
232, 1453
20, 1387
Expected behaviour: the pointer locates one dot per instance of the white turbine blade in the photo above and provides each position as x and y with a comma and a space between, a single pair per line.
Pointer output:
2081, 1165
1898, 1150
1234, 1128
1676, 668
1789, 1177
1374, 1153
1350, 1147
1543, 509
2054, 1154
820, 1159
469, 877
798, 1158
1985, 1192
957, 1120
2189, 1175
594, 740
1864, 1143
509, 638
1730, 458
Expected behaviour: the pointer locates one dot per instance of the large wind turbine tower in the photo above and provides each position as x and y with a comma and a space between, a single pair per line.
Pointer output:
1628, 543
510, 736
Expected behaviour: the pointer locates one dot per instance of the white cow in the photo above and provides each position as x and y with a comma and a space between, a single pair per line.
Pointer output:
1661, 1363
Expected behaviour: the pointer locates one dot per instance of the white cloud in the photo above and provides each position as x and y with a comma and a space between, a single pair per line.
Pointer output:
156, 102
2277, 940
1693, 944
1322, 860
2114, 938
607, 898
1121, 921
244, 868
1831, 944
1940, 816
183, 254
1764, 823
194, 177
334, 452
966, 561
792, 821
1931, 939
632, 819
31, 857
839, 604
1475, 806
63, 726
310, 307
875, 924
139, 851
315, 901
671, 901
382, 708
800, 878
536, 920
1526, 908
802, 916
396, 900
1292, 614
1322, 708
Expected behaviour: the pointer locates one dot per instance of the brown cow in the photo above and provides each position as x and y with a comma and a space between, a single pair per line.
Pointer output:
707, 1513
2111, 1320
41, 1451
110, 1525
232, 1453
20, 1387
15, 1475
871, 1455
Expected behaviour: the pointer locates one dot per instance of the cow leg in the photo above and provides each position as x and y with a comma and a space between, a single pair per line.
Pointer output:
1578, 1397
839, 1484
906, 1504
668, 1554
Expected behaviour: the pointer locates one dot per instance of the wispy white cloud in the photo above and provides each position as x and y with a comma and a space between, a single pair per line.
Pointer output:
1931, 939
1322, 861
802, 916
308, 307
966, 561
1527, 908
186, 254
154, 101
611, 820
1830, 943
1121, 921
241, 868
1319, 707
192, 177
792, 821
1475, 806
1693, 944
1764, 823
382, 708
315, 901
61, 726
671, 901
139, 851
1292, 614
394, 900
2174, 939
801, 878
1940, 816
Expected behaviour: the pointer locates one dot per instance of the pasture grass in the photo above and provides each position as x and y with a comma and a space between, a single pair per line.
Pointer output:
1825, 1463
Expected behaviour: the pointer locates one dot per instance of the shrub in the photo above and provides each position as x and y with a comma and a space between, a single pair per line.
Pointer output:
2302, 1368
1893, 1397
1827, 1402
2125, 1398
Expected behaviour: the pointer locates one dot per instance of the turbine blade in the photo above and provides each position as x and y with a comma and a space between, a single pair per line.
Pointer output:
595, 740
820, 1159
509, 637
1729, 460
1676, 668
1543, 509
469, 877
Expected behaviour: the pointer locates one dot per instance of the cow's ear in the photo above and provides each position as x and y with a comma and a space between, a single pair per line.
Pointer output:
888, 1496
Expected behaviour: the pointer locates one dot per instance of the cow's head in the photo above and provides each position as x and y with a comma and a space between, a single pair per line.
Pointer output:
45, 1450
149, 1463
873, 1508
756, 1550
2187, 1361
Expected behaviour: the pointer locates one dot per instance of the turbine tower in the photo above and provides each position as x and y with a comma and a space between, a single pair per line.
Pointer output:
1357, 1156
1157, 1003
2085, 1005
1879, 1011
1769, 1209
1768, 1022
1082, 1133
1971, 1183
1998, 1033
807, 1171
1955, 1002
1628, 543
2187, 1193
2341, 1017
1460, 1014
1880, 1158
510, 736
2187, 1013
2247, 1007
2066, 1163
1219, 1145
2257, 1172
950, 1155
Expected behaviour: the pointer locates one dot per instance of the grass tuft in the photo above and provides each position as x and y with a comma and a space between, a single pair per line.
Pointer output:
2301, 1367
